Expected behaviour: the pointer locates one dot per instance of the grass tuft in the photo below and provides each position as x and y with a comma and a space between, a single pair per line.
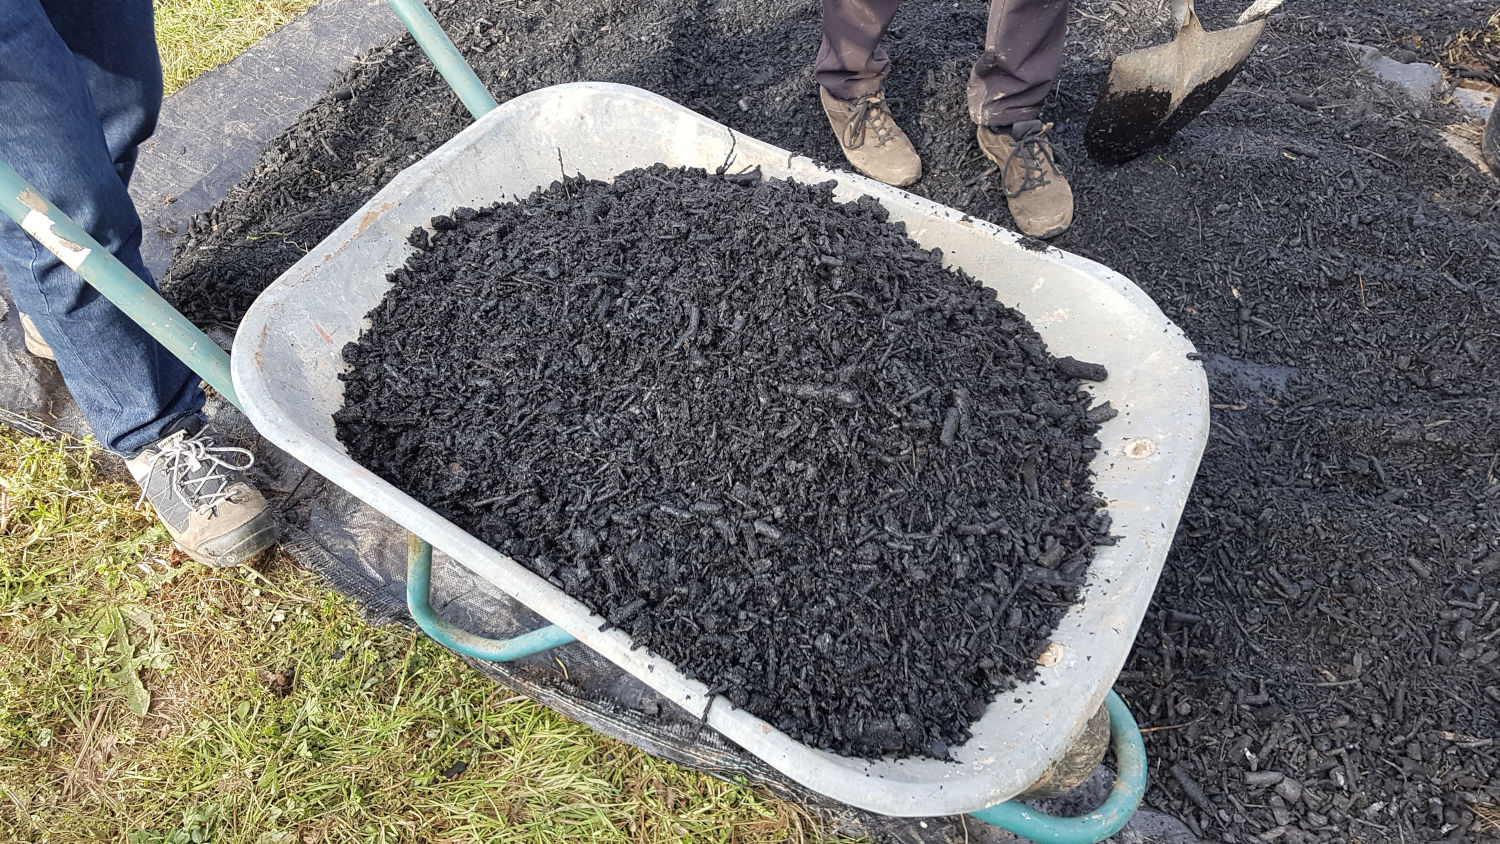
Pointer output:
198, 35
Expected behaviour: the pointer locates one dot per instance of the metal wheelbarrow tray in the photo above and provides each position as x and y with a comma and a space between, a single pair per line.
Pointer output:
288, 354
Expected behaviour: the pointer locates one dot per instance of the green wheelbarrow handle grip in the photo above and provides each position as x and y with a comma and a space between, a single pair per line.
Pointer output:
418, 601
61, 236
1130, 787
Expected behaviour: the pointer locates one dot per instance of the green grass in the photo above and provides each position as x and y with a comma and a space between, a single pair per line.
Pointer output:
146, 699
197, 35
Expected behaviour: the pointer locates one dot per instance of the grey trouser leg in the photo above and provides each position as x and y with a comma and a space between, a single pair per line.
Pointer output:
851, 63
1023, 52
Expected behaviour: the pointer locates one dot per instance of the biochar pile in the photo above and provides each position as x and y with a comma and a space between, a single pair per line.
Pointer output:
761, 431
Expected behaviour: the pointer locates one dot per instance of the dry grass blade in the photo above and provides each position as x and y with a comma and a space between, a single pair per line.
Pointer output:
1478, 49
1489, 816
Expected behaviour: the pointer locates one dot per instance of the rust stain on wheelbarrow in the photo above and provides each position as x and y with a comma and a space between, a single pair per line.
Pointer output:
369, 217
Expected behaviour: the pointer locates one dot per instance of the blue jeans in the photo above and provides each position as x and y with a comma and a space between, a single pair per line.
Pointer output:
80, 88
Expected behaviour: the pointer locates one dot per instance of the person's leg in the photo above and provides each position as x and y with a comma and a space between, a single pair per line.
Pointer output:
80, 84
114, 44
1023, 51
851, 63
850, 70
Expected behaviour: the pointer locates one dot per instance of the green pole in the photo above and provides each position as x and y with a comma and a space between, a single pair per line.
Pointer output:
446, 57
74, 247
464, 82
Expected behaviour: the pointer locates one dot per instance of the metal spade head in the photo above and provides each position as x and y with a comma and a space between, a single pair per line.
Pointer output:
1152, 93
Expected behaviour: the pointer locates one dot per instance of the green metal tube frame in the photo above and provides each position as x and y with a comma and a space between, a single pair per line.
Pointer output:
76, 248
450, 63
1111, 816
70, 243
419, 602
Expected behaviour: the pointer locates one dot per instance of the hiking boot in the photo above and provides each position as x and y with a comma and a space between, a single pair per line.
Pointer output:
34, 342
871, 140
1037, 192
198, 488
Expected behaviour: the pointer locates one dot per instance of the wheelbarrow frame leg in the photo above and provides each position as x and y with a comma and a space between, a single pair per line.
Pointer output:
1111, 816
449, 635
70, 243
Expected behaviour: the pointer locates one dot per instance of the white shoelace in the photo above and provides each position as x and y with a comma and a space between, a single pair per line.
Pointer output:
181, 459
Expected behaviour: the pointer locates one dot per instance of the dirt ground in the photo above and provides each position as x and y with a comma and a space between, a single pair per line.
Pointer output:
1322, 661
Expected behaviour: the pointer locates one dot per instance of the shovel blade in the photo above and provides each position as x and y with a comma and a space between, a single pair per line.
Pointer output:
1152, 93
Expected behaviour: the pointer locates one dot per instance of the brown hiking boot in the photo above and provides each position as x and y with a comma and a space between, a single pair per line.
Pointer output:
197, 486
34, 342
871, 140
1035, 189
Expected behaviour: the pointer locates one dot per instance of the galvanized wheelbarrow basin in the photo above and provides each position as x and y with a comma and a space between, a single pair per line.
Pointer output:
287, 357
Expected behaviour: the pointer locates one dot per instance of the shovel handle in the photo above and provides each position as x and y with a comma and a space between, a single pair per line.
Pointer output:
1182, 12
1258, 10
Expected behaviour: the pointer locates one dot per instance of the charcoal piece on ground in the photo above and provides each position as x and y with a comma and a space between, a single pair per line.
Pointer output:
753, 427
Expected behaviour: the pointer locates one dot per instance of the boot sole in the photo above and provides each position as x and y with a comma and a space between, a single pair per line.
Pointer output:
34, 342
256, 542
1046, 234
909, 182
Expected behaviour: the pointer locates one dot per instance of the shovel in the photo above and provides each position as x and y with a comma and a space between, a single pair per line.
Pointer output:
1152, 93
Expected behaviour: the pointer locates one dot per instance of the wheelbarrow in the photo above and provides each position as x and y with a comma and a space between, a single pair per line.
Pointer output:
288, 355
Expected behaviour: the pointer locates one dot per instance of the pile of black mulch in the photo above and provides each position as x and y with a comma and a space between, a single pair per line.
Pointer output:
1322, 660
760, 430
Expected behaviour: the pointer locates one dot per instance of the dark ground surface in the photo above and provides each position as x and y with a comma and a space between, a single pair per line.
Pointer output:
1328, 613
763, 432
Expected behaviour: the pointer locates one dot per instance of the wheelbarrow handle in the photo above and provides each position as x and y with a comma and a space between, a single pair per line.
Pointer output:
444, 55
1258, 10
138, 300
453, 637
1130, 788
